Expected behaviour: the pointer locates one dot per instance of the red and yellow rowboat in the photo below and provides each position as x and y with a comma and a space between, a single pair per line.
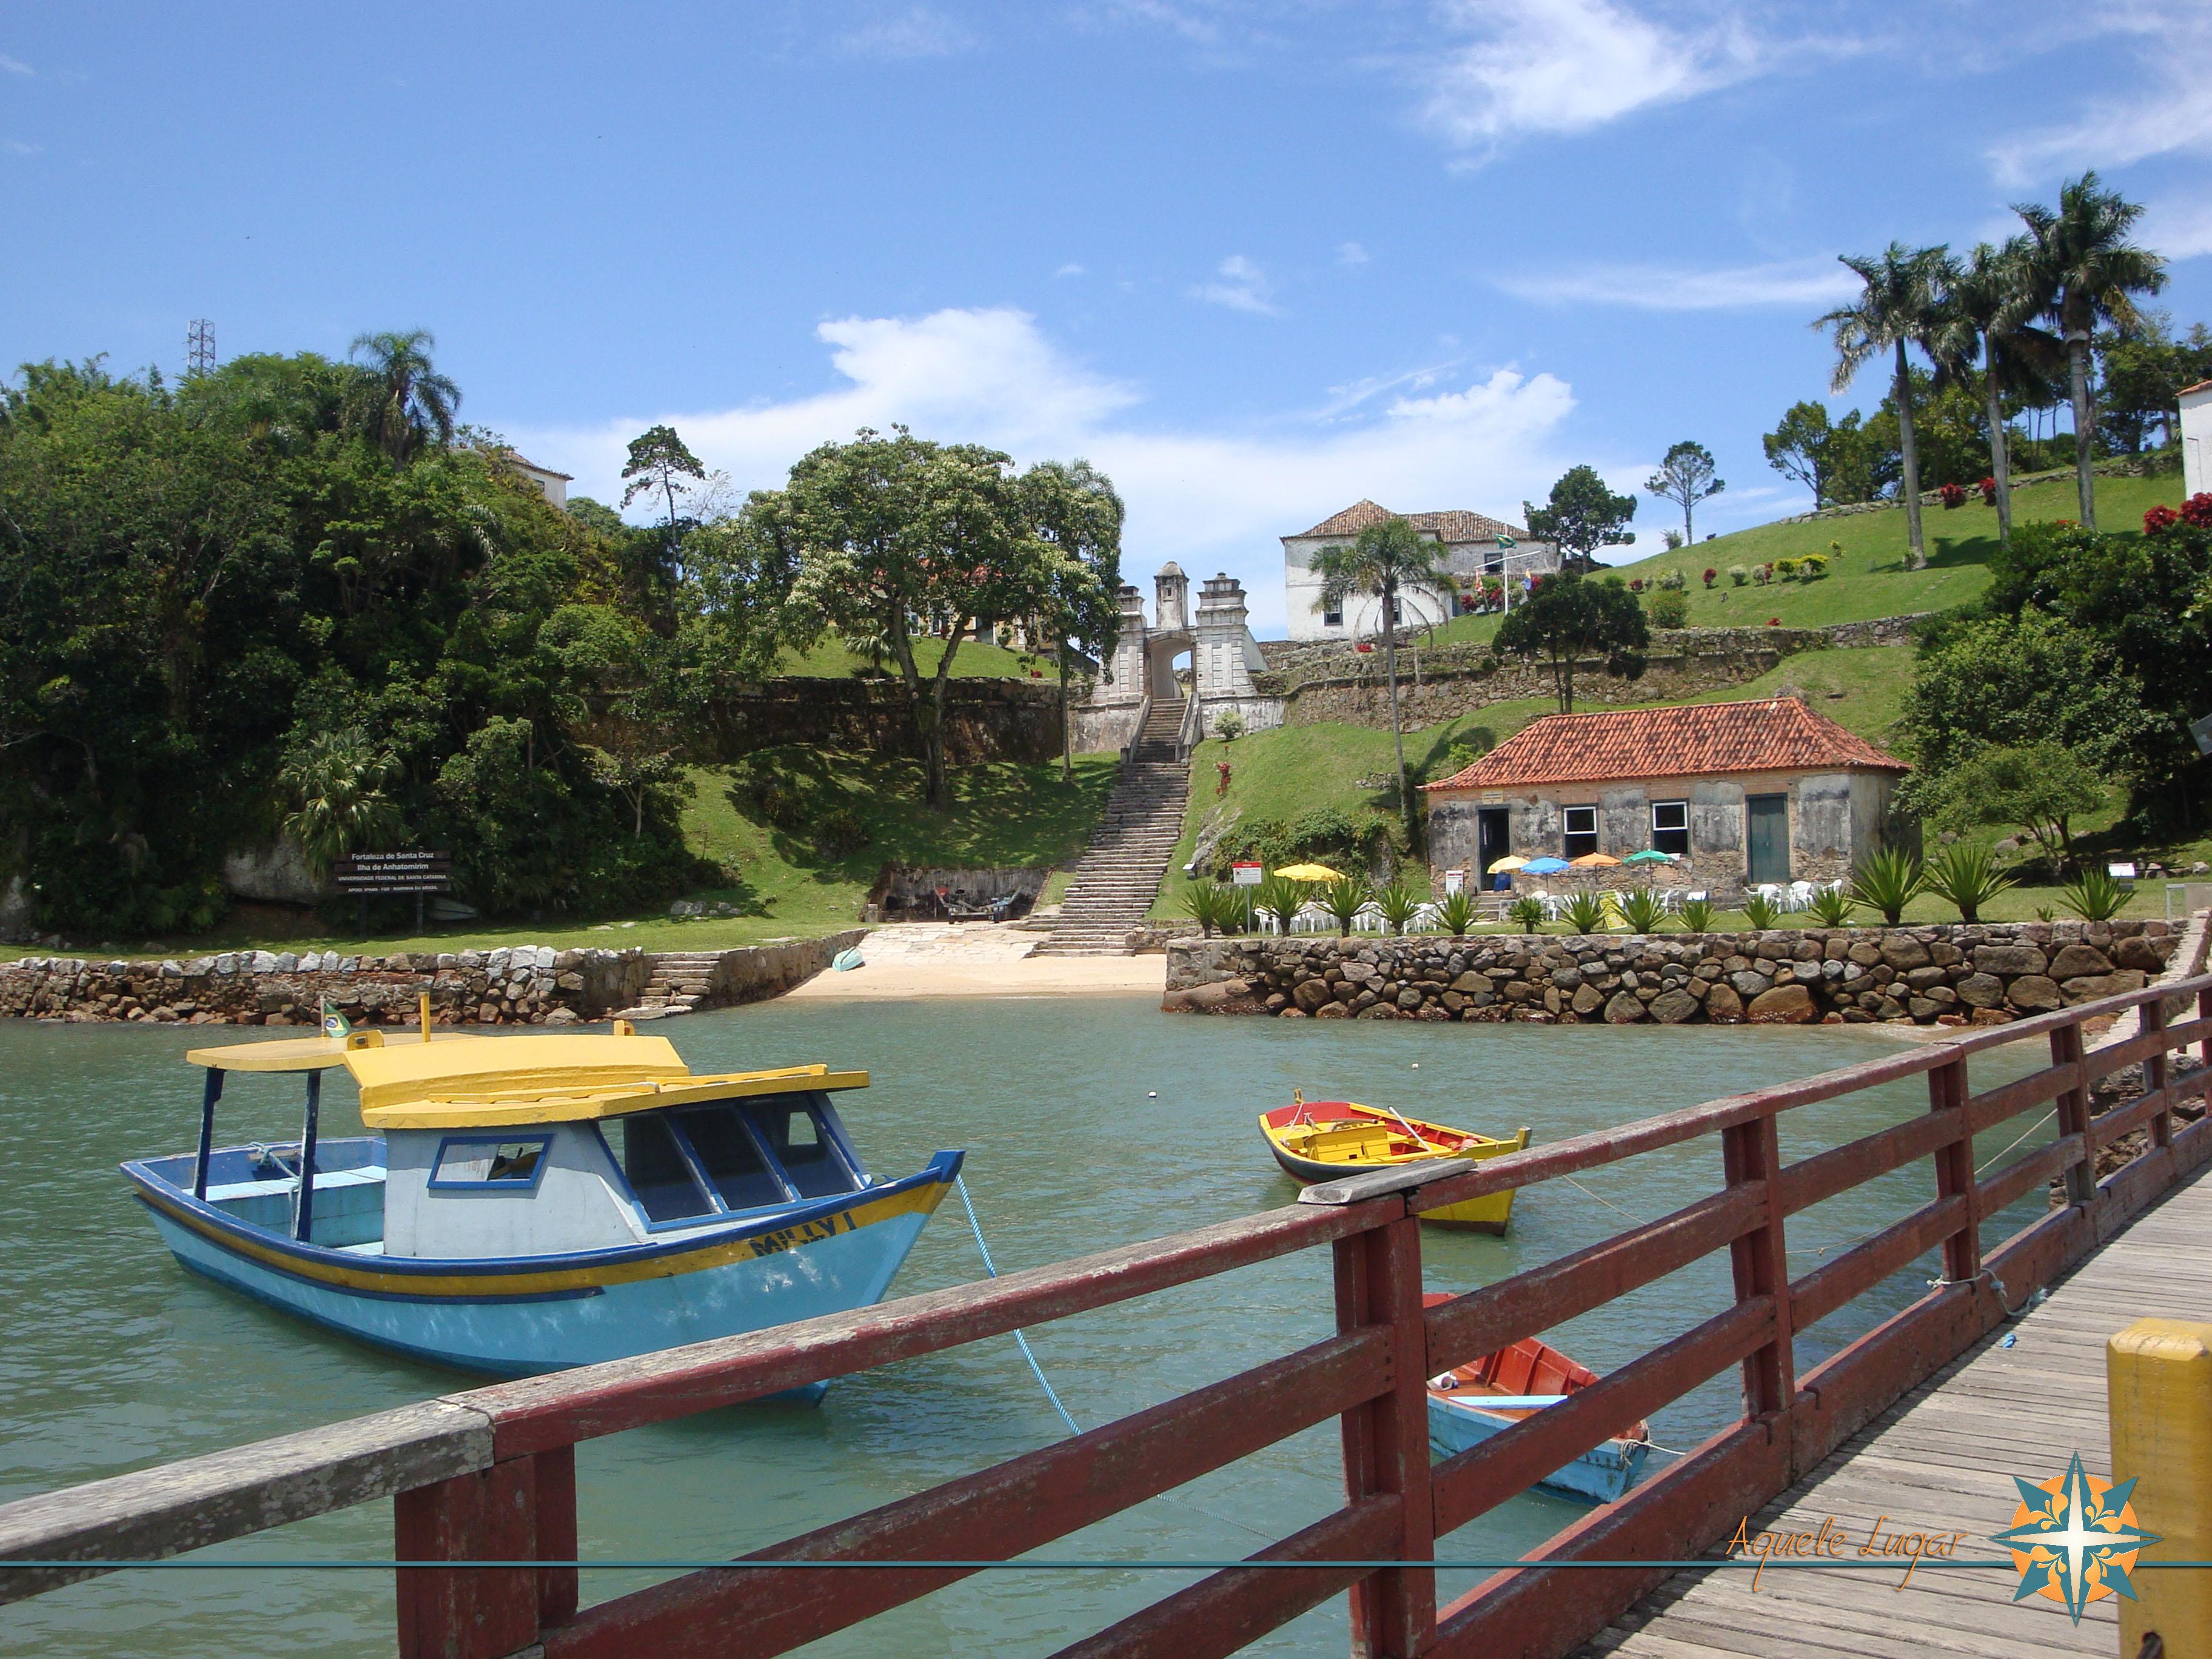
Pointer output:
1317, 1140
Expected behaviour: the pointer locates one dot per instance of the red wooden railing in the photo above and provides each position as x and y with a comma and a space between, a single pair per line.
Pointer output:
489, 1475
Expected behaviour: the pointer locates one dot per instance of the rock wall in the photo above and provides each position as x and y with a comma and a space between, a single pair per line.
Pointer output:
1948, 975
517, 985
984, 720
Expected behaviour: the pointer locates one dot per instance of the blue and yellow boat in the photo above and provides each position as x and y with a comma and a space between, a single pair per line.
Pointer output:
530, 1203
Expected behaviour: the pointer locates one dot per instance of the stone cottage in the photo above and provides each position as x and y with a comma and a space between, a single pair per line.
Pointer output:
1744, 792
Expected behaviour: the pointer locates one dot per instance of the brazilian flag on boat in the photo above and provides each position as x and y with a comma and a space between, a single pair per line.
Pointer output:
335, 1024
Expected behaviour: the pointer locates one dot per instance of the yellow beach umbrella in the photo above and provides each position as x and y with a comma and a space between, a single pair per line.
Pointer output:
1507, 865
1309, 872
1594, 861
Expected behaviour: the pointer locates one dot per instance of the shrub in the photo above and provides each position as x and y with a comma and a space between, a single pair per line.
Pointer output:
839, 832
1774, 622
2094, 895
1668, 609
1952, 495
1989, 488
1966, 877
1674, 581
1211, 905
1760, 911
1711, 574
1586, 913
1887, 881
1641, 909
1812, 567
1229, 726
1786, 569
1831, 909
1738, 575
1697, 915
1281, 899
1527, 914
2197, 511
1635, 584
1398, 903
2160, 520
1343, 900
1456, 914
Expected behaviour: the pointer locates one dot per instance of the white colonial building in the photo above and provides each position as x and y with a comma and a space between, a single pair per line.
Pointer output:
1473, 550
2196, 437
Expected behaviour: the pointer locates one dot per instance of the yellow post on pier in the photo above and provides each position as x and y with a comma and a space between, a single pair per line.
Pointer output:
2158, 1379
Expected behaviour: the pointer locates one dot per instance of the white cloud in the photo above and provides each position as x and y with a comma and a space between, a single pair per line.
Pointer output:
14, 65
1211, 499
1562, 66
1243, 287
2168, 106
17, 147
1659, 287
1351, 254
917, 32
1071, 269
2180, 230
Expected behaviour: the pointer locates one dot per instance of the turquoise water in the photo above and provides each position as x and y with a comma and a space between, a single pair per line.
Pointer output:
1089, 1123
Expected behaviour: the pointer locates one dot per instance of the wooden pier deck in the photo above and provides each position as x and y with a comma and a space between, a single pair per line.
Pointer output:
1943, 1457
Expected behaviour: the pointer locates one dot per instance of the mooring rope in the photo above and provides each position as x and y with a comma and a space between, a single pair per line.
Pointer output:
960, 1183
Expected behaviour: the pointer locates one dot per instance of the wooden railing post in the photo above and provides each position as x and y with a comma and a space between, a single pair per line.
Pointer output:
1954, 1172
493, 1515
1385, 1441
1753, 1152
2156, 1072
2073, 1109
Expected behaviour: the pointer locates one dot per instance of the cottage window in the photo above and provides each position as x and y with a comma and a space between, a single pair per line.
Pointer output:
1670, 826
1333, 618
1581, 832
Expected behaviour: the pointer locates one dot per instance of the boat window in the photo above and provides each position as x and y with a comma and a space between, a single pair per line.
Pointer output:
656, 1168
730, 1158
488, 1163
802, 1146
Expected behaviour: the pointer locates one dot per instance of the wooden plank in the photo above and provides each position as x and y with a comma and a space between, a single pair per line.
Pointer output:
996, 1514
2153, 1039
1530, 1303
1386, 1439
197, 1501
1377, 1184
489, 1515
1806, 1183
1872, 1260
1994, 1106
533, 1414
1233, 1608
2108, 1126
2026, 1174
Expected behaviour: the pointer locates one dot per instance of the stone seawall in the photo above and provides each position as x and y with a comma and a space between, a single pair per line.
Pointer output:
516, 985
1947, 974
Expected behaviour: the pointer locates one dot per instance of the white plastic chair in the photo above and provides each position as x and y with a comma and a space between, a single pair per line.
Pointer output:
1424, 916
1368, 919
1801, 896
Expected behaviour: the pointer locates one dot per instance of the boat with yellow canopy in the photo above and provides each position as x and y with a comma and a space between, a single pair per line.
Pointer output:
524, 1203
1317, 1140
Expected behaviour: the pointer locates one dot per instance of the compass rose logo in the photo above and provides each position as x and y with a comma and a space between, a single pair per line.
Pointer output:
2075, 1539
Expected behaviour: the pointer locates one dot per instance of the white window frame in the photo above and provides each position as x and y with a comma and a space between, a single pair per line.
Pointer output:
1568, 832
1681, 829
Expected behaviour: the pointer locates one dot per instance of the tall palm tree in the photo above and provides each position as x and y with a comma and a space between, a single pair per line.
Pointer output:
1902, 306
405, 399
2083, 272
1989, 303
1389, 558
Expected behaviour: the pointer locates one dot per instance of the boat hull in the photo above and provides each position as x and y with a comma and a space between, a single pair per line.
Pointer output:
520, 1316
1491, 1214
1603, 1475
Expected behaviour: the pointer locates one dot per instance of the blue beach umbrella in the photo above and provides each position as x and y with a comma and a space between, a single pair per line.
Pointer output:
1544, 866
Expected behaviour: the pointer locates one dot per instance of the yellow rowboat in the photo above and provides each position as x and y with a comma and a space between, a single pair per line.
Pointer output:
1317, 1140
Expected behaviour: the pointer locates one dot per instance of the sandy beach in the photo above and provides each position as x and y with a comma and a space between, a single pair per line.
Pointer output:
931, 959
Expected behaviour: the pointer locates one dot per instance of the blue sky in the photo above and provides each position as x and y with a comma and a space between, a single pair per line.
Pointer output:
1256, 260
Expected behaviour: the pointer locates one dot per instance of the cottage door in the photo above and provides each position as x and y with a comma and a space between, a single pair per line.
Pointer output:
1766, 819
1493, 840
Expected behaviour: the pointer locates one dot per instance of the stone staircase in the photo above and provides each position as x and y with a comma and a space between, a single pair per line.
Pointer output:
679, 983
1119, 876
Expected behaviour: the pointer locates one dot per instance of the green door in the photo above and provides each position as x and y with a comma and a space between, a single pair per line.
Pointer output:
1767, 838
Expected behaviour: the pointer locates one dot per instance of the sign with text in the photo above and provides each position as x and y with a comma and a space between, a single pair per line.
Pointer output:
1246, 875
392, 872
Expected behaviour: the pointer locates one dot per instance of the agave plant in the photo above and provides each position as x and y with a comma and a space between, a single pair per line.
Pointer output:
1642, 909
1887, 880
1281, 899
1457, 913
1398, 903
1760, 911
1527, 914
1831, 908
1343, 899
1586, 913
1697, 915
2094, 895
1211, 905
1967, 877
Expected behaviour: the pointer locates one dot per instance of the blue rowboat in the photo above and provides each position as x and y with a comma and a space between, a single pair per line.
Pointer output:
536, 1202
1470, 1403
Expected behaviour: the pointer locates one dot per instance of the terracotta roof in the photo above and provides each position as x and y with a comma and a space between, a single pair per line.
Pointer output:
2202, 386
1452, 527
529, 465
1698, 740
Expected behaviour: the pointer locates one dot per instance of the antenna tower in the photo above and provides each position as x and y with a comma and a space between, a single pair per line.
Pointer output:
199, 347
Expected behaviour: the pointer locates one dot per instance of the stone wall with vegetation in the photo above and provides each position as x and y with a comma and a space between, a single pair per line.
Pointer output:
517, 985
1946, 974
984, 720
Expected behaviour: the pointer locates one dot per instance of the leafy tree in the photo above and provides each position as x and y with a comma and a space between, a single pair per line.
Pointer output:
2082, 270
335, 782
403, 401
1806, 446
1388, 557
1685, 478
1582, 516
1901, 306
900, 538
658, 459
1986, 309
1571, 618
1075, 511
2142, 369
2040, 786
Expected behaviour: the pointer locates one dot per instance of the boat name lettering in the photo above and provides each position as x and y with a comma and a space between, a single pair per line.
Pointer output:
806, 1232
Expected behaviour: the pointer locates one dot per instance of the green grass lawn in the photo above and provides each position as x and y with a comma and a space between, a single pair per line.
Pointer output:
831, 659
1868, 578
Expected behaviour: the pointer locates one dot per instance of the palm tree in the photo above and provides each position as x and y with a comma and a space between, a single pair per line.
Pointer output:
2083, 270
405, 399
335, 783
1389, 558
1901, 306
1988, 301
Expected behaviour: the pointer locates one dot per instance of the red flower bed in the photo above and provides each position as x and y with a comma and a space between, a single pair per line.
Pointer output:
1952, 495
1774, 622
2197, 511
1989, 488
2160, 520
1363, 646
1711, 574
